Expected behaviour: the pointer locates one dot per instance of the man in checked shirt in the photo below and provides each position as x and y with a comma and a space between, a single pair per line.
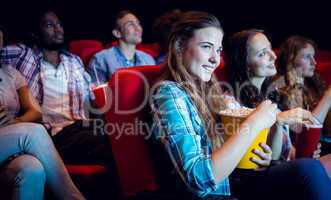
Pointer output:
58, 81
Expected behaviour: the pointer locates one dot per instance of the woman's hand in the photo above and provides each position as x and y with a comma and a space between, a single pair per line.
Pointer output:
4, 118
265, 155
317, 152
295, 116
264, 116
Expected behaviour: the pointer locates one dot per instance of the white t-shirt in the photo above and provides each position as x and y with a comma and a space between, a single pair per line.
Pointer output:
56, 107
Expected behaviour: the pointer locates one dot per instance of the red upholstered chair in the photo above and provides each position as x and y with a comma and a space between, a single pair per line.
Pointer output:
152, 49
221, 72
77, 46
129, 92
323, 56
111, 44
92, 180
87, 53
324, 69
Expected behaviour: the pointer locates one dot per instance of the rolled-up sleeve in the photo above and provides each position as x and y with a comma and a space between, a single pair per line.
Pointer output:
189, 155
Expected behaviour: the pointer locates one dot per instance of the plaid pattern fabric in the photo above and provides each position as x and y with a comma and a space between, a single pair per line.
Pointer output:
178, 126
28, 62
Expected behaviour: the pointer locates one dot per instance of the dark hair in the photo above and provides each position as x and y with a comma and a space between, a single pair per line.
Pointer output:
287, 54
34, 36
119, 15
236, 50
289, 50
162, 27
175, 70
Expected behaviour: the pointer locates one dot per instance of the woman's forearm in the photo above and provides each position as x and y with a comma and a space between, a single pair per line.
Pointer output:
226, 158
275, 140
32, 110
322, 108
30, 116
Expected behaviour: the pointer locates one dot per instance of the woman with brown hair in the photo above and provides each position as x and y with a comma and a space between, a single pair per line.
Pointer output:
185, 104
302, 86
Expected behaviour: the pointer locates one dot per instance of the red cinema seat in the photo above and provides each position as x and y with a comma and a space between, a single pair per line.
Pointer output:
221, 72
77, 46
324, 69
125, 121
323, 56
88, 53
152, 49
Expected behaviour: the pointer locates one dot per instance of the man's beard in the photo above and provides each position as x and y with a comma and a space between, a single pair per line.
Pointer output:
52, 46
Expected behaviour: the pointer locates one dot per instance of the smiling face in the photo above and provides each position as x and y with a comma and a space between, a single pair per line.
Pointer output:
201, 54
304, 62
129, 29
260, 56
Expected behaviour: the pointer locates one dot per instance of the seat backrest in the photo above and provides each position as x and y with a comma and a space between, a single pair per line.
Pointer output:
221, 72
76, 46
126, 127
152, 49
87, 53
323, 56
324, 69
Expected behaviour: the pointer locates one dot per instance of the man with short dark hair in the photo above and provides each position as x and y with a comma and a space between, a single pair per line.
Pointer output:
128, 32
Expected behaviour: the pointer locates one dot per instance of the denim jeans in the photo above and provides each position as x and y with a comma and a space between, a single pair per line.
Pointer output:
39, 163
304, 179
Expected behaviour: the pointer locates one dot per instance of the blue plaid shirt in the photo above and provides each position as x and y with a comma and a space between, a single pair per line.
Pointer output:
178, 126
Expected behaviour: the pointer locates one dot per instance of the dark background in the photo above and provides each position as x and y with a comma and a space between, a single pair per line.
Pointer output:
92, 19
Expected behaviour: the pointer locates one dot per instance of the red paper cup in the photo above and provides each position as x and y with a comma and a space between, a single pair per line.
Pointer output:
100, 93
306, 141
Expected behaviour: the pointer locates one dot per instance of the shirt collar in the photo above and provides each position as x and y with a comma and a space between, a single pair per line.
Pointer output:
39, 53
135, 61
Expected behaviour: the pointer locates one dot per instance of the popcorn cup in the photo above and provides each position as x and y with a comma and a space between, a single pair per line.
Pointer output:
231, 120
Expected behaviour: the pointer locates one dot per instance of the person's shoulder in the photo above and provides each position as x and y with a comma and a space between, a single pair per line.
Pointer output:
143, 54
70, 56
170, 88
16, 47
105, 53
11, 71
